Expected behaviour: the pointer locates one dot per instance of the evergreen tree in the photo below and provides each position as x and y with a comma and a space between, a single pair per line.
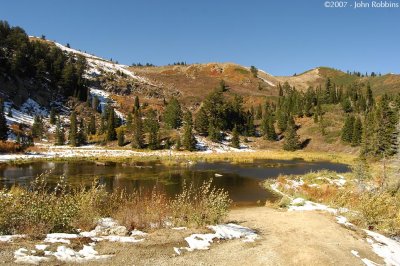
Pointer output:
136, 105
81, 134
292, 139
346, 105
73, 130
120, 136
214, 134
250, 127
235, 138
152, 127
3, 123
52, 115
347, 130
60, 134
201, 122
254, 71
271, 134
370, 98
282, 120
368, 141
357, 132
37, 127
92, 125
386, 121
178, 143
111, 125
95, 103
129, 122
173, 114
137, 133
189, 141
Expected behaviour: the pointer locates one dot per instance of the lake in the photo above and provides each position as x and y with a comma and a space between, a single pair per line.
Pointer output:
241, 180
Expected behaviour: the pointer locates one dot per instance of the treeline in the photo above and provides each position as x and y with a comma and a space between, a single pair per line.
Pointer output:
40, 61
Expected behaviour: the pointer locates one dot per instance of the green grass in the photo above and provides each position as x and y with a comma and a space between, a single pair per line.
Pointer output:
242, 71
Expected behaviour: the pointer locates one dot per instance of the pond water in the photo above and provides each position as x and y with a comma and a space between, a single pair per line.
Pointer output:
242, 181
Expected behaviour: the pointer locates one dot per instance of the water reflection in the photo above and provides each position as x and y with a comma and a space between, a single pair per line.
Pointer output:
240, 180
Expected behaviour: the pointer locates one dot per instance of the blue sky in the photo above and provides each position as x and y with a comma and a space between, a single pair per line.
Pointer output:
280, 37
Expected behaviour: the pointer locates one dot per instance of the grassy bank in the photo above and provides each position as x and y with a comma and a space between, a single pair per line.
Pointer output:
40, 209
184, 157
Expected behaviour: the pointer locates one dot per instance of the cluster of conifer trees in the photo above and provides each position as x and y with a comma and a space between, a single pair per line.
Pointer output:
41, 62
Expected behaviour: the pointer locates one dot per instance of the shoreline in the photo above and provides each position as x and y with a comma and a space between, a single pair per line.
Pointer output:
96, 153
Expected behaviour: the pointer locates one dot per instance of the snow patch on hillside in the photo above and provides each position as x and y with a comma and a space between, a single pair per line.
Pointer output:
97, 64
104, 99
265, 80
26, 112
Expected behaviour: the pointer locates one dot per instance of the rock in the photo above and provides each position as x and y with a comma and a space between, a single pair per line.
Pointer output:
108, 226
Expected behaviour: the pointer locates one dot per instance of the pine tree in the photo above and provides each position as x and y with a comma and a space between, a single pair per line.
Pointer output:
201, 122
73, 130
120, 136
60, 134
254, 71
129, 122
271, 134
347, 130
250, 127
37, 127
81, 134
92, 125
178, 143
235, 138
292, 139
370, 98
173, 114
357, 132
111, 134
368, 141
136, 105
3, 123
214, 133
137, 139
52, 116
152, 127
189, 141
95, 103
346, 105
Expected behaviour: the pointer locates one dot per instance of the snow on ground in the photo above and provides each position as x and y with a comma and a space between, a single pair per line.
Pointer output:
207, 146
384, 247
97, 64
103, 232
63, 254
26, 112
221, 231
48, 151
104, 99
265, 80
10, 238
300, 204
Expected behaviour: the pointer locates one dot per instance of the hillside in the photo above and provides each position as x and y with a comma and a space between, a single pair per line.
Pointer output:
54, 79
388, 83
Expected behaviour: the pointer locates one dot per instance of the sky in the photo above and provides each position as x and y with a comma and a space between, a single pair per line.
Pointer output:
278, 36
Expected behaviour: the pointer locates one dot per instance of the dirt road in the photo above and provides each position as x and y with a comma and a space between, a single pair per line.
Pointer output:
286, 238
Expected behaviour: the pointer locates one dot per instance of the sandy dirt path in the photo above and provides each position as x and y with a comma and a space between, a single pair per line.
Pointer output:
286, 238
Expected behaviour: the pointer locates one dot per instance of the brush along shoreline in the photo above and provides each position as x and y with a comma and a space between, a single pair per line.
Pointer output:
98, 153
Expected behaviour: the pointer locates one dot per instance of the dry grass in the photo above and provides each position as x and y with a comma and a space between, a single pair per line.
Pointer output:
40, 209
371, 206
